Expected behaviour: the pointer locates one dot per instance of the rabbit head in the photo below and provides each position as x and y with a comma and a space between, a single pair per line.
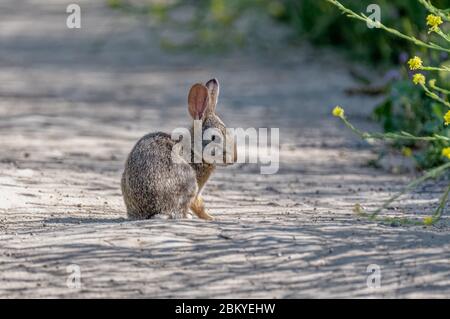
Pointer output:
218, 143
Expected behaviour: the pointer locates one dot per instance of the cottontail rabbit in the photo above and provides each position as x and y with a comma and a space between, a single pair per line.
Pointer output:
155, 181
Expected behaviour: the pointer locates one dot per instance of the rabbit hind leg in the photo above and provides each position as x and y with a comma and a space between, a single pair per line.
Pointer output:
198, 207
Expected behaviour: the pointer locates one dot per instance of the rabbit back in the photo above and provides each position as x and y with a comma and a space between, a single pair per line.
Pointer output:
152, 183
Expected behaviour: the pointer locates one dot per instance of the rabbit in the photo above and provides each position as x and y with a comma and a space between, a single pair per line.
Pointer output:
154, 183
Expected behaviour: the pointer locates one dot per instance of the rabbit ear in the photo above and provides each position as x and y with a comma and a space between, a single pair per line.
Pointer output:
198, 100
213, 89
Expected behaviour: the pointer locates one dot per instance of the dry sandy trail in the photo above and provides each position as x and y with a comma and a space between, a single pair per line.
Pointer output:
73, 103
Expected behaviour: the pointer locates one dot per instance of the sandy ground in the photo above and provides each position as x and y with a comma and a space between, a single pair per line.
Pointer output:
73, 103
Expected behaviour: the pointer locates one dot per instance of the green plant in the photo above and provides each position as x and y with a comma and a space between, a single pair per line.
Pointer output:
408, 109
437, 94
321, 24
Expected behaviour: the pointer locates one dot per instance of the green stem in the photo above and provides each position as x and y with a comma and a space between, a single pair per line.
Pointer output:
402, 135
438, 213
444, 14
439, 89
434, 96
393, 136
443, 35
431, 174
364, 18
433, 68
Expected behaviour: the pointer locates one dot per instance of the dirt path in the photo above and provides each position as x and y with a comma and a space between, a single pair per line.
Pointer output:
73, 103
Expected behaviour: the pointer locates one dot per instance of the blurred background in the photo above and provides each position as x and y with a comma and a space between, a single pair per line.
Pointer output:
272, 37
261, 26
73, 102
231, 24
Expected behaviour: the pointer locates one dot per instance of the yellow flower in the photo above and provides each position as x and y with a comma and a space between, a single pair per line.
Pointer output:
415, 63
428, 220
447, 118
434, 22
338, 111
419, 79
407, 152
446, 152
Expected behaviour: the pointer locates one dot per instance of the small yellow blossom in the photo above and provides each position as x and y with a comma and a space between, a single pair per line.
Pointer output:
447, 118
407, 152
419, 79
415, 63
338, 111
434, 22
446, 152
428, 220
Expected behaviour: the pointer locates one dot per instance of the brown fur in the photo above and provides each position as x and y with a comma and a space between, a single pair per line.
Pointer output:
152, 183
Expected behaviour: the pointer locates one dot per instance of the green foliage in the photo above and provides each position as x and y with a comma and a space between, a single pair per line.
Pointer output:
216, 23
323, 24
406, 114
408, 109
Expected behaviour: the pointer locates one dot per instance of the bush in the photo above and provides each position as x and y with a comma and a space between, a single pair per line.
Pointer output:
322, 24
405, 107
408, 109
